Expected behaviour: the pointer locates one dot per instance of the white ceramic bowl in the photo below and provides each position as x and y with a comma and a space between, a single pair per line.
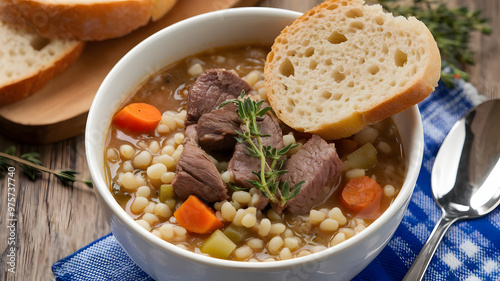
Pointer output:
164, 261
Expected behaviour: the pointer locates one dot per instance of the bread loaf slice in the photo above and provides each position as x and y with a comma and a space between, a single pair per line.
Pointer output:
90, 20
343, 65
28, 61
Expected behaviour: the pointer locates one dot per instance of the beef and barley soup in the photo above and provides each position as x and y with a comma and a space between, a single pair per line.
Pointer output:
196, 157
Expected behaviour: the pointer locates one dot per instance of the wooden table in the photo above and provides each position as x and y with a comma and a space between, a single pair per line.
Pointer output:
54, 221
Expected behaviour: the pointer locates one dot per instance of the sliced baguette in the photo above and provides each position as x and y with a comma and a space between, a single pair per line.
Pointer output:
28, 61
343, 65
90, 20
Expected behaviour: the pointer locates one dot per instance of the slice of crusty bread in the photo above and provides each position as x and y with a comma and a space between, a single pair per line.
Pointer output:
90, 20
28, 61
344, 64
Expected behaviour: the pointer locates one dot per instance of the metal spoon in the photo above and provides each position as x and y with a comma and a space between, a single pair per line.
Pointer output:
465, 176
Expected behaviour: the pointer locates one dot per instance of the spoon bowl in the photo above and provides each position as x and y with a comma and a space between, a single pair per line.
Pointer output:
465, 176
466, 166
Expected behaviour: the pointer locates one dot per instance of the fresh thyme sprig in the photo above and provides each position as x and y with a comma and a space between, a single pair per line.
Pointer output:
451, 28
250, 112
32, 167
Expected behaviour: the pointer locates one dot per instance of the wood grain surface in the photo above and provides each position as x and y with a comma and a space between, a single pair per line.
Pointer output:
53, 220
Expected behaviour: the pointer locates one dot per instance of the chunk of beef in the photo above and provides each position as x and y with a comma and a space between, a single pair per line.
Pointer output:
318, 164
242, 165
196, 174
217, 129
211, 88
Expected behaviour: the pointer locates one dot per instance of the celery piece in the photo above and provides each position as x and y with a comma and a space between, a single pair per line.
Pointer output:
236, 233
364, 157
218, 245
166, 192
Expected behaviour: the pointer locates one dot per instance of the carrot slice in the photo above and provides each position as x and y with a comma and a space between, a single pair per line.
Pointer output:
139, 117
362, 195
197, 217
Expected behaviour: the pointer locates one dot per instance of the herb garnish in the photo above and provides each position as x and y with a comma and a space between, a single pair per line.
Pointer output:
32, 166
250, 113
450, 27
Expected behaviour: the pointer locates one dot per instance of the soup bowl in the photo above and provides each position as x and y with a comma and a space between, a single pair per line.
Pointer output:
165, 261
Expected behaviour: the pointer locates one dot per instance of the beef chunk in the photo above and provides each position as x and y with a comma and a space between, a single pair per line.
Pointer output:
211, 88
217, 129
242, 165
196, 174
318, 164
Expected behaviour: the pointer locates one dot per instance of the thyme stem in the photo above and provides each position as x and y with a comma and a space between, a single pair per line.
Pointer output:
63, 175
263, 165
28, 163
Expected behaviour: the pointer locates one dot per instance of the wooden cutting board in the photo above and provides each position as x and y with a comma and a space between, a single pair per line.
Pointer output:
59, 111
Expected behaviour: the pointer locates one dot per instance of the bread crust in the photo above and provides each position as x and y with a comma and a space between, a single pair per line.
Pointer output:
90, 21
33, 82
416, 90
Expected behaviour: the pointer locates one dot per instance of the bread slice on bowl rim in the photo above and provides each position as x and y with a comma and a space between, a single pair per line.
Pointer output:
343, 65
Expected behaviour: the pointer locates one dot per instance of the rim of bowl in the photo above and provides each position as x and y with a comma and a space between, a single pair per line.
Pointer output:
102, 188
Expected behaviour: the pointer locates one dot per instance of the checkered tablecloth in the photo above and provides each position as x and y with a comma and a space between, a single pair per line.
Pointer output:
470, 250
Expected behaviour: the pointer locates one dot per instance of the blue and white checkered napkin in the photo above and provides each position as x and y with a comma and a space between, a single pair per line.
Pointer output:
469, 251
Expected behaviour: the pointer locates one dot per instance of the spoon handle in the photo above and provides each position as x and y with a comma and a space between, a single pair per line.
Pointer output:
419, 266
